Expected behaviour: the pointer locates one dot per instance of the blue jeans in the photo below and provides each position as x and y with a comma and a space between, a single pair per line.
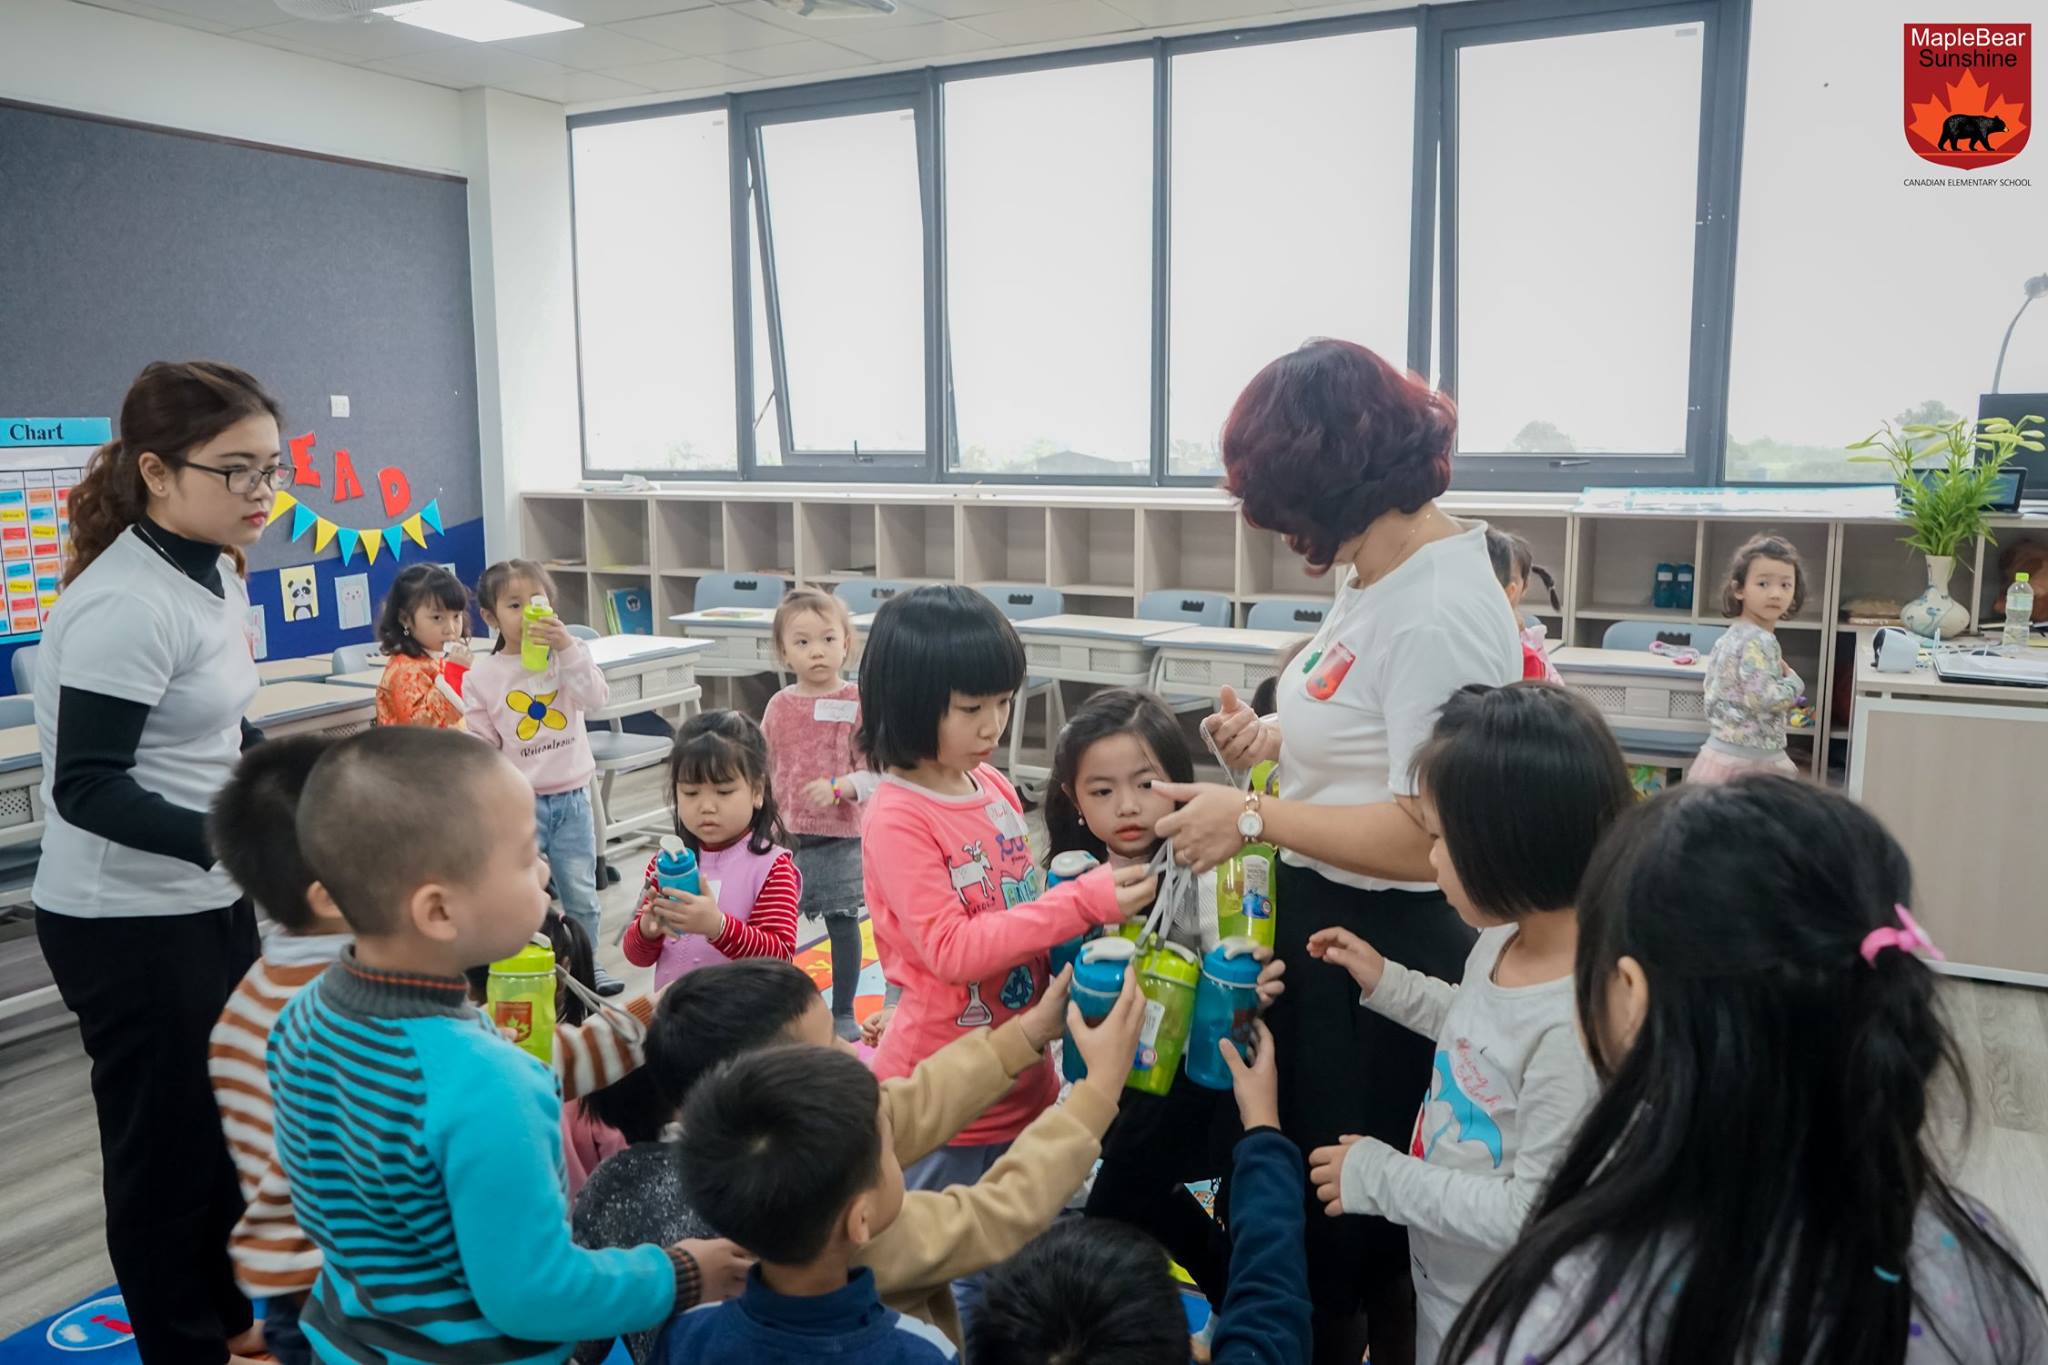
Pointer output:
569, 841
281, 1334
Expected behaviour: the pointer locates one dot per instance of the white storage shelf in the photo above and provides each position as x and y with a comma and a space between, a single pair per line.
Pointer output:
1106, 548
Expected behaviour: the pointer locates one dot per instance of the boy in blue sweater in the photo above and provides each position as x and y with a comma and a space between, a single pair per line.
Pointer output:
424, 1151
775, 1155
1099, 1291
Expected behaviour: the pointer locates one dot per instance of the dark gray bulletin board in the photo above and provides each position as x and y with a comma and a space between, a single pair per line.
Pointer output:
122, 244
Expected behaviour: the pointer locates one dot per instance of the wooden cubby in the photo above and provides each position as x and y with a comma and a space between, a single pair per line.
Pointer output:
689, 537
615, 536
552, 531
1268, 570
760, 537
918, 543
1003, 544
837, 541
1614, 571
1093, 552
1194, 550
1723, 538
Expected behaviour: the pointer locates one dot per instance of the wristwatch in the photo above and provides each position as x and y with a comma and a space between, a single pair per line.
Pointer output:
1250, 823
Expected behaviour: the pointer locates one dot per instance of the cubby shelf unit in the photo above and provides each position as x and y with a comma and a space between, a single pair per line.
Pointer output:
1104, 549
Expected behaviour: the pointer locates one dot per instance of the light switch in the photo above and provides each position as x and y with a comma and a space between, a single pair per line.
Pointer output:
337, 405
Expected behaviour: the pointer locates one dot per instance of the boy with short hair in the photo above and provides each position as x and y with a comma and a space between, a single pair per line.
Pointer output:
774, 1156
1098, 1291
423, 1150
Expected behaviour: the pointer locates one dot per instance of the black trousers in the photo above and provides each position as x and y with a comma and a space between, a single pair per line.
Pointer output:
1158, 1144
147, 992
1344, 1069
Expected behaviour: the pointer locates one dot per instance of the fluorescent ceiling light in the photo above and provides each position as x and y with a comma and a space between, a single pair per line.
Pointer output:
480, 21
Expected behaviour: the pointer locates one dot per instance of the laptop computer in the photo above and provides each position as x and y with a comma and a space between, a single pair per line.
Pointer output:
1997, 669
2034, 463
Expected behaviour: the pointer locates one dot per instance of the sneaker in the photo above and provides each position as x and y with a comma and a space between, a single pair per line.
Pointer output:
847, 1027
607, 984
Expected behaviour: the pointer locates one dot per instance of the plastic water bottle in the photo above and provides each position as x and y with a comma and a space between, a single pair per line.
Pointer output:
1681, 590
1665, 591
675, 868
1098, 981
520, 997
2019, 615
533, 653
1226, 1004
1072, 865
1167, 975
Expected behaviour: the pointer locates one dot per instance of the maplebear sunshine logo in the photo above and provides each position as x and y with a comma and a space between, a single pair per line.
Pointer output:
1967, 92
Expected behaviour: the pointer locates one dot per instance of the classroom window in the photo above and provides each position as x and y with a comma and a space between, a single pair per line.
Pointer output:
1842, 319
1048, 207
1287, 222
654, 293
1577, 191
844, 255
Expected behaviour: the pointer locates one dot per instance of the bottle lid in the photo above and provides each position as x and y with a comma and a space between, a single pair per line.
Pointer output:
2021, 578
672, 846
535, 959
1174, 962
1231, 963
1108, 950
538, 600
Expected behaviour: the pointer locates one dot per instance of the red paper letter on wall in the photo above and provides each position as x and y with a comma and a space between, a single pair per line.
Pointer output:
397, 490
346, 484
303, 473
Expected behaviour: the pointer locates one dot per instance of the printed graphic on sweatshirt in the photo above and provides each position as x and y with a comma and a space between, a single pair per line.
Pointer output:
1465, 1092
534, 711
984, 887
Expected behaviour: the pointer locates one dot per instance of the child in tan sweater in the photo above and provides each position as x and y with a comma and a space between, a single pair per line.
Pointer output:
722, 1011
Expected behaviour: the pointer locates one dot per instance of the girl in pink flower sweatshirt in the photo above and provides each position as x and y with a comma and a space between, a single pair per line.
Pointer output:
962, 919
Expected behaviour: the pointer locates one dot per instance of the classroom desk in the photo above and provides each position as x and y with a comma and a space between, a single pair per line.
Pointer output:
1656, 708
743, 640
1115, 651
296, 708
21, 786
647, 673
313, 668
1956, 772
1203, 660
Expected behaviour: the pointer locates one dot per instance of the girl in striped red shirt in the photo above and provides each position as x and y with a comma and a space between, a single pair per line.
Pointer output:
725, 813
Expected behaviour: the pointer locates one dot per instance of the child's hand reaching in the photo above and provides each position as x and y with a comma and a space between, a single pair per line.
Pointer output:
552, 632
1048, 1014
1326, 1173
819, 792
1110, 1048
875, 1025
721, 1265
1342, 948
1271, 968
1258, 1085
1136, 889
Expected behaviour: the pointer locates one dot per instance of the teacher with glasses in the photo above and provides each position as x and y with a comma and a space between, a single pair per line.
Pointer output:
142, 679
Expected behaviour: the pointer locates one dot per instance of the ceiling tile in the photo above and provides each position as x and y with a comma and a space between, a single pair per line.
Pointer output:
964, 9
1050, 22
797, 59
589, 49
707, 32
352, 41
231, 14
827, 28
163, 16
573, 87
942, 39
1162, 13
469, 64
684, 73
595, 12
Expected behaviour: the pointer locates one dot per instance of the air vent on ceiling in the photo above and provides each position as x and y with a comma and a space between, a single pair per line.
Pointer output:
836, 9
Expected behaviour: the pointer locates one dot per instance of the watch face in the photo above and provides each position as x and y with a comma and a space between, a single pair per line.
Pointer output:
1251, 824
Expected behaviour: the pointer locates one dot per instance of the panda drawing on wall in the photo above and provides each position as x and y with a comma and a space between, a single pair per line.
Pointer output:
299, 591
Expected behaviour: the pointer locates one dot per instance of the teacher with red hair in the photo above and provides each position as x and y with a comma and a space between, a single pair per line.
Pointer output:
1345, 456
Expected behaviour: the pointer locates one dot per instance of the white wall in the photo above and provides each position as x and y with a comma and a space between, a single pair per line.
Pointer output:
523, 291
101, 61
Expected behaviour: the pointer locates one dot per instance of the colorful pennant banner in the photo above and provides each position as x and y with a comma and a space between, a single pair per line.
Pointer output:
371, 541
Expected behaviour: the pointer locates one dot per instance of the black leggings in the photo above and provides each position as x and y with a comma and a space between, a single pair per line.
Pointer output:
1156, 1146
1344, 1069
147, 991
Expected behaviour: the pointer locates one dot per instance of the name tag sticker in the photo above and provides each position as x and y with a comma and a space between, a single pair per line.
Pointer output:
836, 709
1005, 818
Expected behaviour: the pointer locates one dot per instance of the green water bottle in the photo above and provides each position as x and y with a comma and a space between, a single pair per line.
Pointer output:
1168, 975
521, 999
533, 654
1245, 903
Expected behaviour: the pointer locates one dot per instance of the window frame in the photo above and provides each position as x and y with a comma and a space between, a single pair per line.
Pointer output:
1441, 33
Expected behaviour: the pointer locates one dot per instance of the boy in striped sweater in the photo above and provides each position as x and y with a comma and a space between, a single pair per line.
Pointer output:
251, 826
423, 1151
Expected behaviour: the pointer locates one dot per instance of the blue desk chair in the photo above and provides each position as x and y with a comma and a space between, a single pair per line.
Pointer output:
1031, 602
761, 590
25, 670
1298, 614
864, 595
1186, 609
353, 658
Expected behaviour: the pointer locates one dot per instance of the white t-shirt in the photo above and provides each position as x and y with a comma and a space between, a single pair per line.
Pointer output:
1356, 704
134, 626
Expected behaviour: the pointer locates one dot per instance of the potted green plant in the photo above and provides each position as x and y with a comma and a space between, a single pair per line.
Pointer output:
1947, 474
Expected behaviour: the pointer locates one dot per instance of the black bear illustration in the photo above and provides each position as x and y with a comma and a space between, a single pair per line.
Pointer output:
1969, 128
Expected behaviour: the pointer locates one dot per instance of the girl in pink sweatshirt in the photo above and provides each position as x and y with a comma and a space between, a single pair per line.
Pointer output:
536, 719
961, 916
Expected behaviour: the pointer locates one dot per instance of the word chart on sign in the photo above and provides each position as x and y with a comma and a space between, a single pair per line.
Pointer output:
41, 459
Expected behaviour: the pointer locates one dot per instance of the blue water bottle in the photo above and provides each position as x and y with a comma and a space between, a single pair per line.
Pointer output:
1664, 591
1072, 865
1098, 981
676, 867
1226, 1005
1682, 592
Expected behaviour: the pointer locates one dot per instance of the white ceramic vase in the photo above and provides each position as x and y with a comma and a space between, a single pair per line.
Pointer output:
1934, 614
